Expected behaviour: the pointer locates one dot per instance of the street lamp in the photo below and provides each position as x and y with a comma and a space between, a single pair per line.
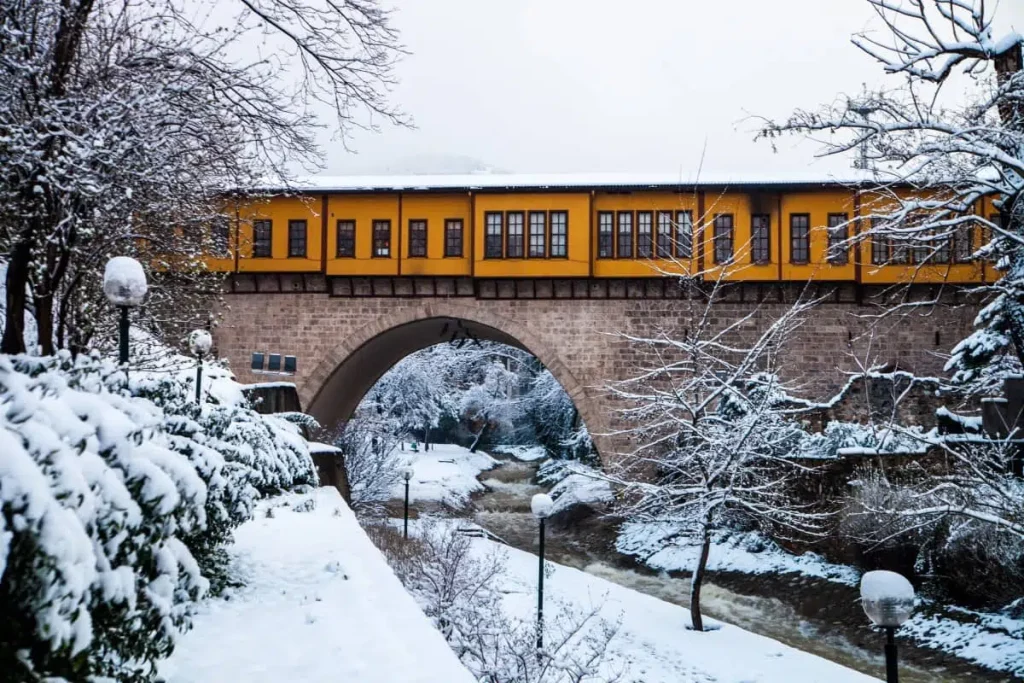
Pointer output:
407, 475
199, 343
888, 600
124, 284
541, 505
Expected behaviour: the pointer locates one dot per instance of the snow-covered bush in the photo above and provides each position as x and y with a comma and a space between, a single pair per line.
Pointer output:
371, 464
459, 588
111, 493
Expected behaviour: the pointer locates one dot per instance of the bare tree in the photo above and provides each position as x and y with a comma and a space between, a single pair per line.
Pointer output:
123, 123
952, 150
713, 428
368, 442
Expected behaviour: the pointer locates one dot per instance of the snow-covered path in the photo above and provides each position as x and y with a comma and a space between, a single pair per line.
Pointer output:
320, 605
653, 644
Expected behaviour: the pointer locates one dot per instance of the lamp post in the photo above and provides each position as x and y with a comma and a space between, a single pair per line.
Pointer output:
888, 600
541, 505
124, 284
199, 343
407, 475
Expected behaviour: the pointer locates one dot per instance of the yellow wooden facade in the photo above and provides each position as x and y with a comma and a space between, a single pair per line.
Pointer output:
444, 232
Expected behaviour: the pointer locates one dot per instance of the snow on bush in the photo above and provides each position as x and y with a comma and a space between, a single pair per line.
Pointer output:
574, 483
112, 494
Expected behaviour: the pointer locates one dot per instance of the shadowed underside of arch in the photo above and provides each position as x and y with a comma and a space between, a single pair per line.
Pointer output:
341, 380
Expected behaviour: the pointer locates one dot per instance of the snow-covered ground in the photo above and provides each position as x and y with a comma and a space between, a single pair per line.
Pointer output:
990, 639
319, 605
524, 453
653, 644
445, 474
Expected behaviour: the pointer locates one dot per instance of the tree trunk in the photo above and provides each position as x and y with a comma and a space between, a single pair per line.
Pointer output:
697, 579
17, 292
478, 438
426, 438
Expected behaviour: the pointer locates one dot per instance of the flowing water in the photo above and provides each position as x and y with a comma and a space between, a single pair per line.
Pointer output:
809, 614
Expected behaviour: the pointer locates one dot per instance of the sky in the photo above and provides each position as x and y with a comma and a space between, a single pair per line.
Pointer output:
660, 86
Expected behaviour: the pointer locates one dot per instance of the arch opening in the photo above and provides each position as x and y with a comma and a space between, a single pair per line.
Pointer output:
356, 370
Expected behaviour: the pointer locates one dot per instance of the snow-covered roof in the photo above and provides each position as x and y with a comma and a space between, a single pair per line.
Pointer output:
549, 181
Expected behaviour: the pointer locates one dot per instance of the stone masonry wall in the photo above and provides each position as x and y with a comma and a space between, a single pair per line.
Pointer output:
578, 339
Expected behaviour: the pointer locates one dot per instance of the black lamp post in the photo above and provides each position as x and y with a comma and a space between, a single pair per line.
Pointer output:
124, 284
407, 475
888, 600
541, 505
199, 343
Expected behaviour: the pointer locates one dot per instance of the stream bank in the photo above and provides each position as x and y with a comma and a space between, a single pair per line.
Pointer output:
815, 615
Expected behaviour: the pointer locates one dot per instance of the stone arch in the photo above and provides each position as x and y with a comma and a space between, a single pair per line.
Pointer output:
339, 381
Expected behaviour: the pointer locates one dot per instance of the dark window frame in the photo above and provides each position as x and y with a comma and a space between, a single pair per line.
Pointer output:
420, 241
663, 238
805, 248
728, 237
963, 235
684, 241
564, 242
220, 236
761, 238
347, 223
531, 234
837, 251
619, 233
292, 252
489, 236
448, 225
377, 240
274, 362
881, 244
645, 248
258, 241
522, 234
606, 250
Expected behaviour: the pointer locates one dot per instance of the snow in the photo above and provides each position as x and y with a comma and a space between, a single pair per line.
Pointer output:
362, 183
524, 453
740, 552
653, 644
881, 584
445, 474
317, 447
124, 281
541, 505
200, 342
319, 605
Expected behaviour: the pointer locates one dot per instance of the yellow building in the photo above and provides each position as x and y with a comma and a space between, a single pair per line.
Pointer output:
495, 226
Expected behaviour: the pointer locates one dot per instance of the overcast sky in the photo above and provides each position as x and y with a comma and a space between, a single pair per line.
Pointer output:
633, 85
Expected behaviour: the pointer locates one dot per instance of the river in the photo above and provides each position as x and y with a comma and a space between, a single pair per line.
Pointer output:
813, 615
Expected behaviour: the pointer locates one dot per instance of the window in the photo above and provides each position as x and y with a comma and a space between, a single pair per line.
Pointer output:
514, 239
605, 234
963, 244
838, 248
538, 234
453, 237
417, 238
262, 231
799, 238
644, 244
221, 236
297, 239
492, 235
290, 364
257, 361
625, 235
881, 244
941, 248
723, 238
760, 238
346, 247
274, 362
381, 239
664, 234
684, 234
559, 234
